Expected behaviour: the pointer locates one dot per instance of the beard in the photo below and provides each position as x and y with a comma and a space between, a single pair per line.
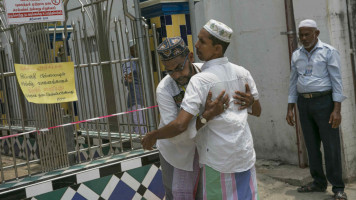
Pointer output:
184, 80
307, 46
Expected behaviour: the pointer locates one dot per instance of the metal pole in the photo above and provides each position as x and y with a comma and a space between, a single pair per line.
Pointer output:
145, 70
193, 26
154, 33
151, 67
79, 83
8, 109
117, 32
122, 75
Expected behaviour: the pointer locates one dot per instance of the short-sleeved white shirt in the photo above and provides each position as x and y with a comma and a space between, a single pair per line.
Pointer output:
225, 143
178, 151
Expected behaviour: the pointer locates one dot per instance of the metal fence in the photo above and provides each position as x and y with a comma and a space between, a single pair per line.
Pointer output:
98, 42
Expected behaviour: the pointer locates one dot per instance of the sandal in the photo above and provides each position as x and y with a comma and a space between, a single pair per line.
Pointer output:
311, 187
340, 195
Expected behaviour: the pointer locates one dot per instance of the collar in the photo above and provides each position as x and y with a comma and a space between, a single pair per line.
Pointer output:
318, 45
216, 61
196, 68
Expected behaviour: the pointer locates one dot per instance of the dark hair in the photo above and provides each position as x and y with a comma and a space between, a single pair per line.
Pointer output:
217, 41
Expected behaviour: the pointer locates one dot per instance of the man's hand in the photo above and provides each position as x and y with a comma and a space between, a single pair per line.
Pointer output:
244, 99
128, 77
335, 119
290, 114
148, 141
216, 107
335, 116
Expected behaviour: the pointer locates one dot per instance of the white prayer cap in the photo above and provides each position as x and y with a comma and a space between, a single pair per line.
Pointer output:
308, 23
219, 30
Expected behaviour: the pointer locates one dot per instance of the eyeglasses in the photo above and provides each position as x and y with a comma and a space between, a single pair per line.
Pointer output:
179, 68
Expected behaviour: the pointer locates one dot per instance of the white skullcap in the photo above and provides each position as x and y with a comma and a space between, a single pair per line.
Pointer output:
219, 30
308, 23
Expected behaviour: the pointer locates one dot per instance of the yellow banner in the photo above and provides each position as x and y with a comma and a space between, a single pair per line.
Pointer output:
47, 83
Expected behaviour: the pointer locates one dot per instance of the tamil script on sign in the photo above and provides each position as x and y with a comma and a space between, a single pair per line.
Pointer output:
47, 83
32, 11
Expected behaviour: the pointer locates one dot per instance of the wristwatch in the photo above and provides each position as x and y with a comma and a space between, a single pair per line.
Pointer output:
202, 119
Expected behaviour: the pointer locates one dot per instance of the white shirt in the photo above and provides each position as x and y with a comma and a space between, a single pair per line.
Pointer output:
178, 151
225, 143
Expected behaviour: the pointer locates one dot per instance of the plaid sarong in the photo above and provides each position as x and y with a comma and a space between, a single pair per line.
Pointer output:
228, 186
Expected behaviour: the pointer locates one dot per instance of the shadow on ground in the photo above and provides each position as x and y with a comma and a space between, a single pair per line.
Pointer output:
277, 181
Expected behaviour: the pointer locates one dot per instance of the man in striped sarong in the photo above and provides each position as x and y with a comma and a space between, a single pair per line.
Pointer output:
224, 143
178, 156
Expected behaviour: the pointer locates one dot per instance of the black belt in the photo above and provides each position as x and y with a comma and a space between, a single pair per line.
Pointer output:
315, 94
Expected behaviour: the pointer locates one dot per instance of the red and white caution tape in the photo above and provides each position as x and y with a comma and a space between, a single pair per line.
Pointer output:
77, 122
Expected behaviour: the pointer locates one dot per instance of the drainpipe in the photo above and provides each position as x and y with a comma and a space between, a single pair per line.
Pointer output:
292, 45
351, 28
193, 26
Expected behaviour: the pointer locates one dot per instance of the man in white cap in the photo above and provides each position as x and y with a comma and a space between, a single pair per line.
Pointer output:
316, 87
224, 143
178, 157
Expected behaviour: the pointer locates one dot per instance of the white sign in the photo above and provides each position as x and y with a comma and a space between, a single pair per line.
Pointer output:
32, 11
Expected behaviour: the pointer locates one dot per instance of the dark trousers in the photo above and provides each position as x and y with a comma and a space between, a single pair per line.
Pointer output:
314, 119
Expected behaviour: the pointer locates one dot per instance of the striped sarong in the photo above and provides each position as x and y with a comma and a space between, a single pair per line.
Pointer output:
180, 184
228, 186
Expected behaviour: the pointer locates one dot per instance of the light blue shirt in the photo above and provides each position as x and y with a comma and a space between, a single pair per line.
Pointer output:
126, 69
315, 71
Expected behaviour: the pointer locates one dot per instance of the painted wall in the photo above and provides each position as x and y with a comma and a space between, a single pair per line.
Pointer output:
258, 46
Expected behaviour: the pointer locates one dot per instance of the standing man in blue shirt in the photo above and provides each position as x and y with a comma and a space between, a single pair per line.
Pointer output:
135, 94
316, 87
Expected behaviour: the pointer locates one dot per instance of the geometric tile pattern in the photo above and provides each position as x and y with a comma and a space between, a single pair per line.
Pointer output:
104, 136
122, 185
97, 152
76, 175
20, 145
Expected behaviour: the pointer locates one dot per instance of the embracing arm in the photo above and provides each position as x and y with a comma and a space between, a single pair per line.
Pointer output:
249, 101
172, 129
213, 108
180, 124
